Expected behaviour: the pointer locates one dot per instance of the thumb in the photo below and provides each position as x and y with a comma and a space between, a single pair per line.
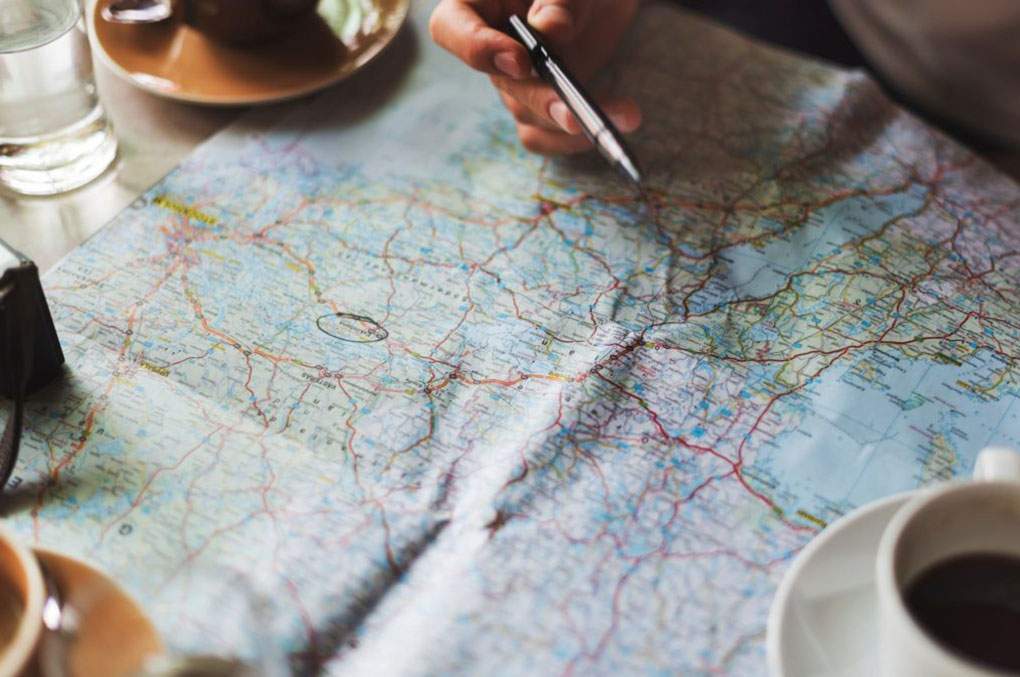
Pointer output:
559, 21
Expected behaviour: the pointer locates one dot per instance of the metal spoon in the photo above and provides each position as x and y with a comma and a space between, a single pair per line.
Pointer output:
137, 11
61, 628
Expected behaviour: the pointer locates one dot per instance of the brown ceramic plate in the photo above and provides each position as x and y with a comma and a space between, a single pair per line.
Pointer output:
114, 636
174, 60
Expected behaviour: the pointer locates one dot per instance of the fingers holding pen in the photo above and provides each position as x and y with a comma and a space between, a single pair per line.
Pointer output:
466, 30
535, 103
585, 32
469, 30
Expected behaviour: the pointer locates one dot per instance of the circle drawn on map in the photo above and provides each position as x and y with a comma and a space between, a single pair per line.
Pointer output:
351, 328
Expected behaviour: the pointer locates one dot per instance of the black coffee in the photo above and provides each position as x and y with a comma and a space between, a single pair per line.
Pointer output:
971, 605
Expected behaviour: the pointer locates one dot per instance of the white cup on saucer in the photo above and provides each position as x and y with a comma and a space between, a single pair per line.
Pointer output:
978, 517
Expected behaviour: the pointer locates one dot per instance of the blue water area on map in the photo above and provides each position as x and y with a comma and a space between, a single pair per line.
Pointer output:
852, 446
756, 272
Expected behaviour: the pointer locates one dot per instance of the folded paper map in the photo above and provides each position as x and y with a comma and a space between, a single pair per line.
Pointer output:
433, 404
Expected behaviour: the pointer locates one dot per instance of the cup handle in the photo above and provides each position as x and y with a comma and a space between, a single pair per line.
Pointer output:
997, 464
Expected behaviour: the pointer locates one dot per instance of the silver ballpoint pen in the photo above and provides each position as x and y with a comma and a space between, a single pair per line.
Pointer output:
597, 127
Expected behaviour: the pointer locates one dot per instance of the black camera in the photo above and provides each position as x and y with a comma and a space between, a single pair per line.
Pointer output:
30, 354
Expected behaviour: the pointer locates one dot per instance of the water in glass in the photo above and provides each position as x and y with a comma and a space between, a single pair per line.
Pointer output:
54, 135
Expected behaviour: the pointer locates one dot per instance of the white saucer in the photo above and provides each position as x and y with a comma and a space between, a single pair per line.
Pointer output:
824, 616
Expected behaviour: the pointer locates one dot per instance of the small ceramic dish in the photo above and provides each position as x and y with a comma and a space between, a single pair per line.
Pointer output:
113, 636
173, 60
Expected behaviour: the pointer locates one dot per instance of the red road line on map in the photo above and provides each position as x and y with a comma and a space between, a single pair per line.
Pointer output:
137, 500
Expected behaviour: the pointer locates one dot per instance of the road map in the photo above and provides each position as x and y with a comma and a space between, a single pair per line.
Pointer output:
427, 403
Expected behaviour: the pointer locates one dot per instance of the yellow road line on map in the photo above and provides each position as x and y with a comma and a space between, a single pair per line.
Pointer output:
185, 210
811, 518
155, 369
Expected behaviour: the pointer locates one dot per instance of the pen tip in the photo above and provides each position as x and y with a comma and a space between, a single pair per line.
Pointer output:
631, 170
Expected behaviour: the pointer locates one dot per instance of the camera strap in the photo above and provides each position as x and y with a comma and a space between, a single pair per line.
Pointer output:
11, 440
17, 345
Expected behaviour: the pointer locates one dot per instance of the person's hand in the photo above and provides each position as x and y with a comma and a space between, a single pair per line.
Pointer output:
585, 33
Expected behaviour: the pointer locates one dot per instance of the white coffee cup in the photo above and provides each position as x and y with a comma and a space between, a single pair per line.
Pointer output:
956, 518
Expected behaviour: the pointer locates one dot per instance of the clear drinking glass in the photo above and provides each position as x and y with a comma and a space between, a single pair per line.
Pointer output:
54, 135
